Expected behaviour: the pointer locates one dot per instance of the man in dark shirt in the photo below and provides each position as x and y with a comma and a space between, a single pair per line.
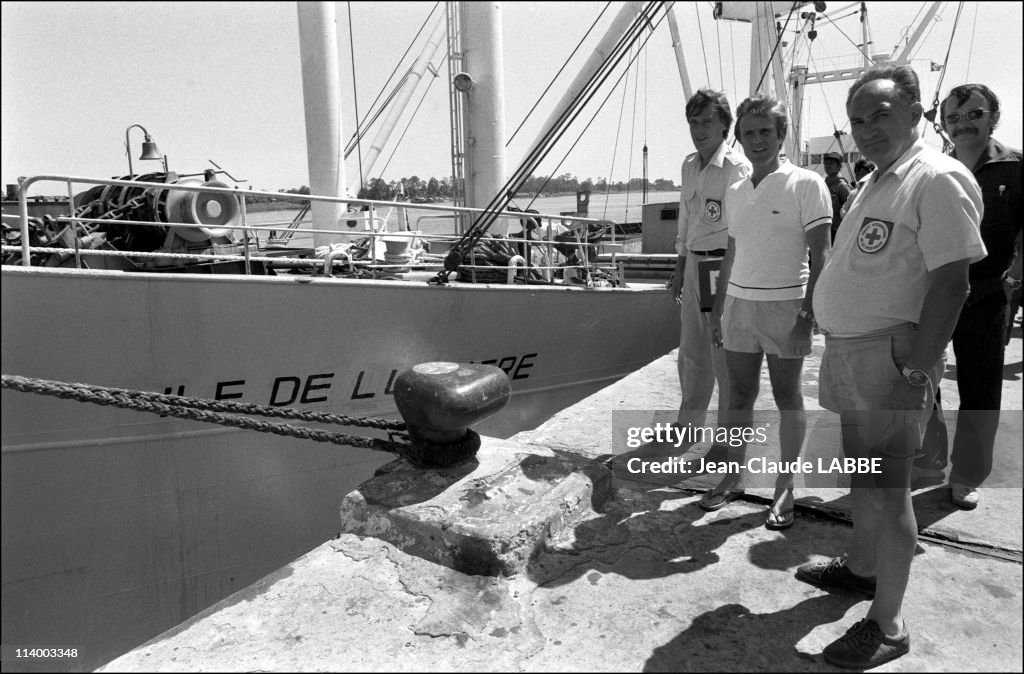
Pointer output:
838, 187
969, 115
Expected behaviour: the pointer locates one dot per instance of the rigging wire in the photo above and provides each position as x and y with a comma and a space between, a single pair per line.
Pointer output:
861, 49
718, 38
970, 50
615, 148
369, 121
707, 73
377, 112
930, 115
552, 136
778, 41
620, 53
836, 132
821, 83
583, 97
906, 30
408, 124
596, 112
732, 57
553, 79
632, 136
646, 109
355, 97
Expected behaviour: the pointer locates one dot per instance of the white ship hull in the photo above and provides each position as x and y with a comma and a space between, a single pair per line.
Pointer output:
119, 524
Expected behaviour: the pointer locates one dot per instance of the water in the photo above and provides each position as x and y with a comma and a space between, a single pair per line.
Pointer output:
617, 207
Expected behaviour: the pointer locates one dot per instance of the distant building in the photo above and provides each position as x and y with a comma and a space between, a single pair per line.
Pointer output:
815, 149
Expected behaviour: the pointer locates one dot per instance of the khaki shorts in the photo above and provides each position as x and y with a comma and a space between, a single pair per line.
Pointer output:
754, 326
856, 380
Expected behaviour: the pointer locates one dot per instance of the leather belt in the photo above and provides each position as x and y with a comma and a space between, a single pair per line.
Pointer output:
718, 252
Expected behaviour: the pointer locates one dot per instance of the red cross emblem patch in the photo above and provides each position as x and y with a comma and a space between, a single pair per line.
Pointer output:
873, 235
713, 210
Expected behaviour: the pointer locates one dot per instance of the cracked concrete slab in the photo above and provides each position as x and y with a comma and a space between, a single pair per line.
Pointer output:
650, 582
489, 516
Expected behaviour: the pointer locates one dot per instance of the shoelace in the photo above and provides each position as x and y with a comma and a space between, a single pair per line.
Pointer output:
833, 565
860, 634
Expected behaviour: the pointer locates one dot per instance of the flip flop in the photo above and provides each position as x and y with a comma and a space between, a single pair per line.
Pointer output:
716, 501
780, 521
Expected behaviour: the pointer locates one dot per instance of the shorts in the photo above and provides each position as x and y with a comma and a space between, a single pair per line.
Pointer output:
755, 326
856, 379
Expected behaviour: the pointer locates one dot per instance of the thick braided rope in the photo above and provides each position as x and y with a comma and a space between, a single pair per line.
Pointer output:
103, 394
182, 407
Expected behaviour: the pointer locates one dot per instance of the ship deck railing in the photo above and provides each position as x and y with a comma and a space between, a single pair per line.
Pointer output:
375, 217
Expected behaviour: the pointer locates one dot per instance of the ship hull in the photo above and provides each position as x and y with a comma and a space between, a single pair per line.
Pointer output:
119, 524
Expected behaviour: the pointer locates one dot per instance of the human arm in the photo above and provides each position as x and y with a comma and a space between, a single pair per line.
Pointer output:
677, 279
818, 242
723, 285
947, 290
1012, 276
682, 232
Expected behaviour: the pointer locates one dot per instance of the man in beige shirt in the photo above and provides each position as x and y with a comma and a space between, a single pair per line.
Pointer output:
706, 174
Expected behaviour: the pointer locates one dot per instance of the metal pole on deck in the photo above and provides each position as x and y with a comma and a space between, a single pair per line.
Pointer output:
616, 30
402, 98
321, 93
677, 47
484, 101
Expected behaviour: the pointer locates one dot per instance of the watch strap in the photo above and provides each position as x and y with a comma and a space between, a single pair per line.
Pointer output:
916, 377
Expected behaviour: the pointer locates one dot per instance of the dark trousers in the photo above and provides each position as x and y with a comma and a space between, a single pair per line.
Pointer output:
979, 348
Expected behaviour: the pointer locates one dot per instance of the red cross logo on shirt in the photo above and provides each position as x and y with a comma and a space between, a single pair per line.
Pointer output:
873, 235
712, 210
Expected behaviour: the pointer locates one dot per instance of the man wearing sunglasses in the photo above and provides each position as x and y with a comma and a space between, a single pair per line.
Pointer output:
969, 115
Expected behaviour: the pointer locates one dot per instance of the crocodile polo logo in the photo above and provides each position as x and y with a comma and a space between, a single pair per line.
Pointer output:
873, 235
713, 210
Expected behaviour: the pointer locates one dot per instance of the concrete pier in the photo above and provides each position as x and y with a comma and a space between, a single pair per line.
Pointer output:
643, 581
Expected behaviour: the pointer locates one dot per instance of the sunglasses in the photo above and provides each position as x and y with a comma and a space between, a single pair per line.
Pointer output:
972, 115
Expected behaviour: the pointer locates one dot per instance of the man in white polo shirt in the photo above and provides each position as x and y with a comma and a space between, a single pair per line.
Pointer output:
777, 217
887, 301
702, 235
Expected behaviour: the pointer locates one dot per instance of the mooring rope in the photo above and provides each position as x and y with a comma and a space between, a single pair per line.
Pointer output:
227, 413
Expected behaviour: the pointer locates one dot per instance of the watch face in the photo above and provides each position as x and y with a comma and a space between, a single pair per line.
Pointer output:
918, 377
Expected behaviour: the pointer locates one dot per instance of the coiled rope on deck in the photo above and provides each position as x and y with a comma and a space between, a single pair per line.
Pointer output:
227, 413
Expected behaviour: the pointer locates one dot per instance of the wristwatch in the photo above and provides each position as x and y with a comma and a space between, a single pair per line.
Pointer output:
1014, 283
917, 378
806, 315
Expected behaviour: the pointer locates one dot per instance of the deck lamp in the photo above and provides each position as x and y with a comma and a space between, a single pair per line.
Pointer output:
463, 82
149, 149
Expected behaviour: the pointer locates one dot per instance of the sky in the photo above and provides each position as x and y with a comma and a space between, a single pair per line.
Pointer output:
221, 81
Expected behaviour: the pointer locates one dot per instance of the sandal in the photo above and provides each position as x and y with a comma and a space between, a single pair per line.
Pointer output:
712, 501
780, 521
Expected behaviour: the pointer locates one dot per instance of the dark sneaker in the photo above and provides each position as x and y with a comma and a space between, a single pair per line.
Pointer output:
865, 646
833, 573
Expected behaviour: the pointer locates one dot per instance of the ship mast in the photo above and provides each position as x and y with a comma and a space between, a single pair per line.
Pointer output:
402, 97
482, 87
321, 93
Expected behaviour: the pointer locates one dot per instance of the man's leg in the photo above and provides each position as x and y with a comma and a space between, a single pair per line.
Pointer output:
884, 527
895, 543
744, 383
700, 364
696, 368
788, 393
979, 349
